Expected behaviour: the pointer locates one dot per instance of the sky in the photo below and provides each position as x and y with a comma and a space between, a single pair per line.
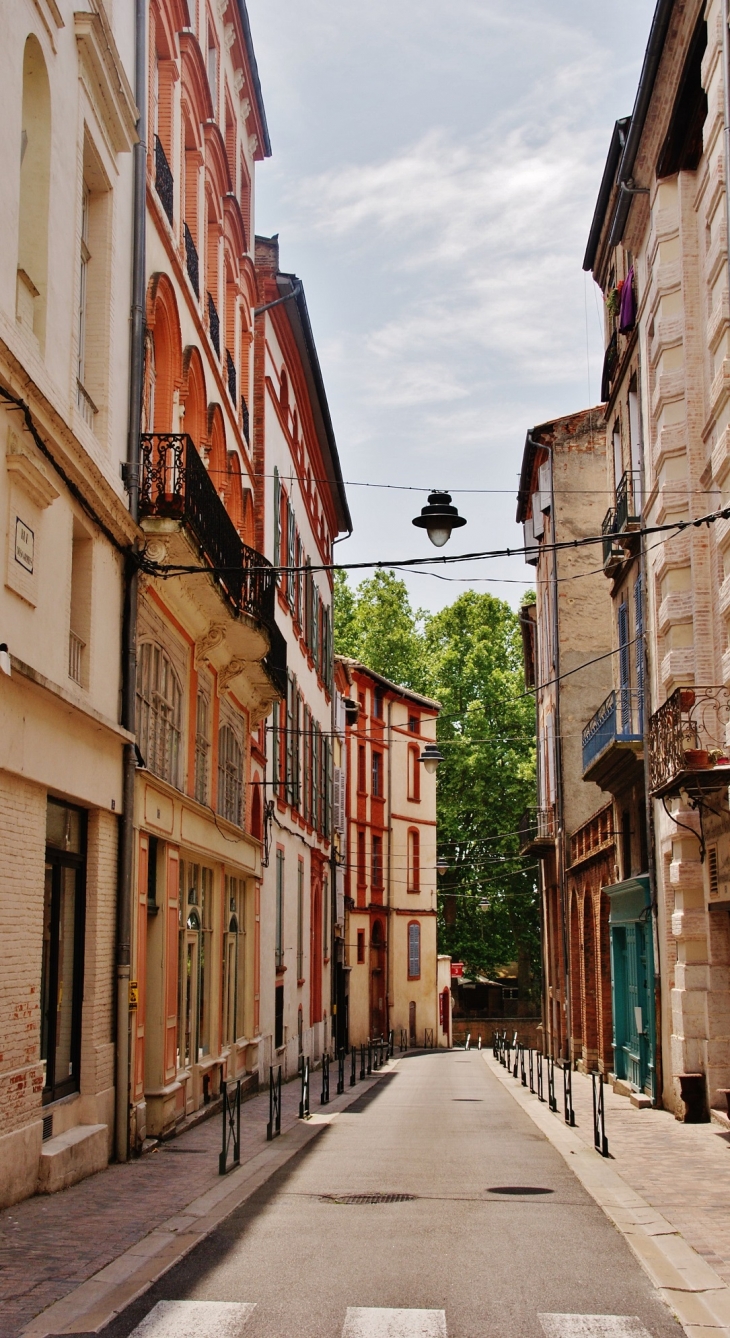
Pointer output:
435, 169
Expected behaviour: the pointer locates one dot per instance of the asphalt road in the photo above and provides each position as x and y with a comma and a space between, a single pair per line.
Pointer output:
497, 1232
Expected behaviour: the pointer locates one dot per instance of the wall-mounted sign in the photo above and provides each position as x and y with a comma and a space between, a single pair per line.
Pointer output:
24, 545
457, 969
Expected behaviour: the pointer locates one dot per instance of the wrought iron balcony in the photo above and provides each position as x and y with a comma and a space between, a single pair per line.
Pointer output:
628, 500
245, 419
164, 184
231, 375
688, 747
191, 260
613, 554
175, 485
616, 727
537, 831
214, 325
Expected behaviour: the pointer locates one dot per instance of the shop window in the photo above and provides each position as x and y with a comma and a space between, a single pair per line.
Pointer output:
62, 963
361, 945
414, 950
202, 746
414, 861
159, 711
230, 776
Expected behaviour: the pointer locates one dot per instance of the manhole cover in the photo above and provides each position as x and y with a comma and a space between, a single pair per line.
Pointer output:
518, 1189
367, 1198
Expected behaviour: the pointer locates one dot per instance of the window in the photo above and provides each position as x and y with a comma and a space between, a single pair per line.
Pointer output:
378, 704
414, 775
83, 400
202, 746
80, 618
279, 908
361, 879
414, 950
413, 724
361, 945
159, 709
293, 727
279, 1017
62, 962
300, 919
378, 774
213, 71
377, 858
361, 784
233, 960
195, 965
230, 776
414, 861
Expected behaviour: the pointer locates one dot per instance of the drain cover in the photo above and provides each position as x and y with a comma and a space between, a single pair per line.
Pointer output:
367, 1198
518, 1189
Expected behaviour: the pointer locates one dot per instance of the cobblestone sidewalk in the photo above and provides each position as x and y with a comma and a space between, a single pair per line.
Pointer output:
51, 1243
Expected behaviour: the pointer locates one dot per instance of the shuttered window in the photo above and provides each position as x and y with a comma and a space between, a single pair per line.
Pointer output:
414, 950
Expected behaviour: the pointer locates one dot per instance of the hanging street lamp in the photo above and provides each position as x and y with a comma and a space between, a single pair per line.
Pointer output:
442, 865
432, 757
439, 518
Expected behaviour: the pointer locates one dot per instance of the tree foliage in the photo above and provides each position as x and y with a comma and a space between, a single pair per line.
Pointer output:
469, 657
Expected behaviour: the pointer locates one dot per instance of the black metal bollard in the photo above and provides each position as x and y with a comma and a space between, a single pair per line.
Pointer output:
540, 1095
370, 1056
391, 1044
340, 1072
362, 1062
600, 1142
353, 1066
231, 1126
304, 1099
274, 1126
568, 1094
324, 1099
516, 1065
552, 1102
532, 1071
523, 1075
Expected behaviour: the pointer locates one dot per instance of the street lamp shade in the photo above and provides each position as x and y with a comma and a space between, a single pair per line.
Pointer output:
442, 865
431, 757
439, 518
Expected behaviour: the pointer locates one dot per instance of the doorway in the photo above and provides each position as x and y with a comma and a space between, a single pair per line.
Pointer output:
62, 968
377, 980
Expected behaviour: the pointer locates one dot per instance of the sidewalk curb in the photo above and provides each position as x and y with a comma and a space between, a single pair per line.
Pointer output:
695, 1293
93, 1304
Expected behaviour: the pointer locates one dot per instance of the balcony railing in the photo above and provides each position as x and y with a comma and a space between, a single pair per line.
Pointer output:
537, 831
688, 746
611, 554
214, 325
628, 500
164, 184
175, 484
191, 260
231, 375
619, 719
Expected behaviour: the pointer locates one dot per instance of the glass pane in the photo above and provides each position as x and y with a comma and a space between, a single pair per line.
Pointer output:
63, 827
46, 965
65, 995
189, 991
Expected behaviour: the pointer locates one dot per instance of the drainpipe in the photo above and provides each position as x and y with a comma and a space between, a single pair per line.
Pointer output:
389, 915
129, 625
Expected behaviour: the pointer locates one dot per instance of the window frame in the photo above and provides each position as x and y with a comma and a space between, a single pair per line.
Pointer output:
414, 925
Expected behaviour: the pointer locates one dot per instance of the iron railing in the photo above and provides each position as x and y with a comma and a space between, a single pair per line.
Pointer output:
688, 734
191, 260
231, 376
214, 325
231, 1126
536, 826
164, 184
273, 1128
175, 484
608, 530
325, 1095
620, 718
304, 1098
600, 1142
628, 499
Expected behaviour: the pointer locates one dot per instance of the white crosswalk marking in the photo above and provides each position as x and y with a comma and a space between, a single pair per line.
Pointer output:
376, 1322
593, 1326
194, 1319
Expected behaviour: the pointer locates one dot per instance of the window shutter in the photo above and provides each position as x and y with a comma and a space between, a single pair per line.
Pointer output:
290, 693
338, 798
639, 625
291, 576
277, 519
624, 667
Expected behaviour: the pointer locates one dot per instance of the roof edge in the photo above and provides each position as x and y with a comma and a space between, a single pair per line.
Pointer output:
248, 38
388, 682
615, 149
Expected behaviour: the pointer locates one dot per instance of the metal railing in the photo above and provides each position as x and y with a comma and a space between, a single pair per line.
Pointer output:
568, 1111
175, 484
600, 1142
164, 184
608, 530
214, 325
87, 408
231, 1126
340, 1072
536, 826
231, 375
304, 1097
273, 1128
628, 499
76, 649
324, 1098
353, 1066
688, 734
620, 718
192, 264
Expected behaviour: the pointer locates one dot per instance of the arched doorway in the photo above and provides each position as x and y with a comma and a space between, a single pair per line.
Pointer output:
377, 980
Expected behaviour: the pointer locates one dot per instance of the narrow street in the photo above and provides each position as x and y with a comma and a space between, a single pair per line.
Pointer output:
493, 1235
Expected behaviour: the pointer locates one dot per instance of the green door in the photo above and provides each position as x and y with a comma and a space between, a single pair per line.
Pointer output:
632, 972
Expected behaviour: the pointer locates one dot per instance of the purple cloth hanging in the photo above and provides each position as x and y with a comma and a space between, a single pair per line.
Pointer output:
627, 310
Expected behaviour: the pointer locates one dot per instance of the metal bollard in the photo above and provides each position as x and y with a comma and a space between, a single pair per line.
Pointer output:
231, 1125
304, 1099
324, 1099
353, 1066
540, 1095
340, 1072
479, 1042
362, 1062
516, 1064
523, 1075
552, 1102
391, 1044
568, 1095
532, 1072
467, 1045
370, 1056
273, 1128
600, 1142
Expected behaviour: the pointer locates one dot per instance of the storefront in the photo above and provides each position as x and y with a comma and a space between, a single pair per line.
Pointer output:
632, 983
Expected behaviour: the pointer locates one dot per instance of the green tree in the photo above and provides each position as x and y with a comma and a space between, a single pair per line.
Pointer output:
377, 625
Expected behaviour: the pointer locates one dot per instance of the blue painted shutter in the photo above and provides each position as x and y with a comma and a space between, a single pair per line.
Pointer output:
624, 669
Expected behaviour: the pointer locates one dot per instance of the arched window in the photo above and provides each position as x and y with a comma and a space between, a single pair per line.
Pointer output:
414, 950
414, 774
230, 776
35, 175
159, 712
414, 860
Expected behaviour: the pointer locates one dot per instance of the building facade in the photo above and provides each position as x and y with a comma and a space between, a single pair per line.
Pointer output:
391, 958
64, 358
300, 509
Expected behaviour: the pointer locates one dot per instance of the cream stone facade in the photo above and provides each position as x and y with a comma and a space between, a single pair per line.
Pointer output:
391, 957
66, 207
